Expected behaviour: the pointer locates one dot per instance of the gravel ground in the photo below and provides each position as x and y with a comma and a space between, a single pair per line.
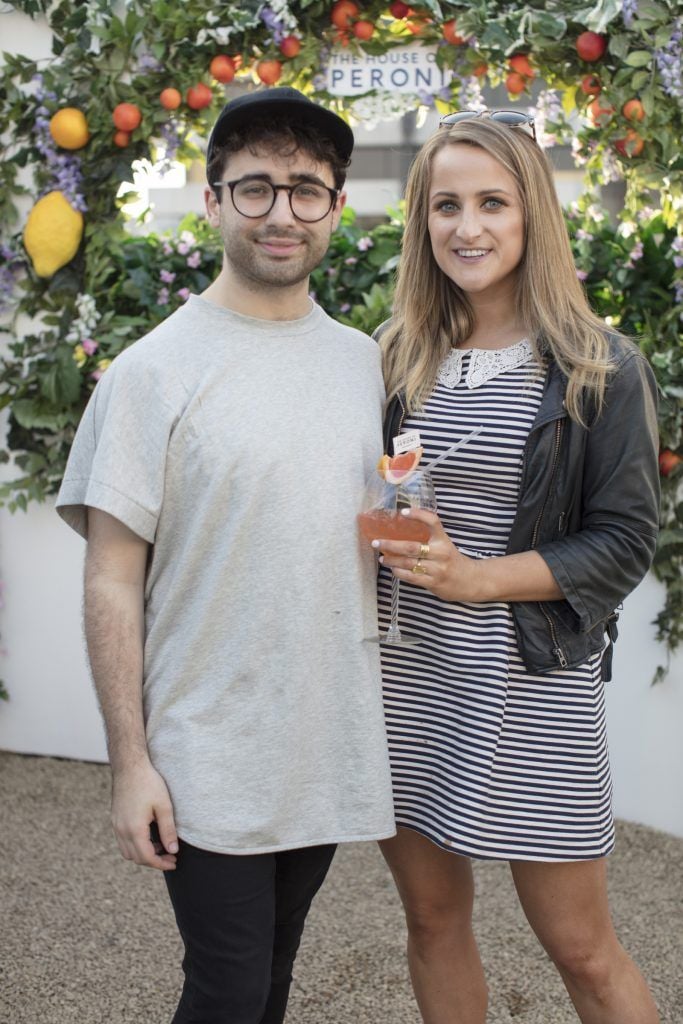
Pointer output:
90, 939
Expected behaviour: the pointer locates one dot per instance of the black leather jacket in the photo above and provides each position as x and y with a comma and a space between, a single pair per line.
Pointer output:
589, 504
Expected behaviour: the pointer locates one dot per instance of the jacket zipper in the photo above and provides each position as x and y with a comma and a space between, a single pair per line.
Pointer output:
557, 650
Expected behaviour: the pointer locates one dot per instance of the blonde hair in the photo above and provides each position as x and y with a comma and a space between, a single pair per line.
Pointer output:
431, 314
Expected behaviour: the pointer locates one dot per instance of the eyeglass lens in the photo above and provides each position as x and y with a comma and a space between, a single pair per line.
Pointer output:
308, 201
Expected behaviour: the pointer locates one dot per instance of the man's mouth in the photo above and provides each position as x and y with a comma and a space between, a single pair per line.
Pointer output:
279, 246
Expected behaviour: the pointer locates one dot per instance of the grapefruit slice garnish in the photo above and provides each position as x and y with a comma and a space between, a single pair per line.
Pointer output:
402, 466
383, 465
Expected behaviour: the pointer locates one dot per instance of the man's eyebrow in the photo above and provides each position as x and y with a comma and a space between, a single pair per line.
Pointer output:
294, 179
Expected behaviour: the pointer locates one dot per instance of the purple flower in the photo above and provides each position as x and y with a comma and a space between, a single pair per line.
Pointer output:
167, 248
167, 276
364, 243
194, 259
184, 293
636, 254
89, 346
584, 236
183, 248
351, 261
163, 296
581, 274
345, 307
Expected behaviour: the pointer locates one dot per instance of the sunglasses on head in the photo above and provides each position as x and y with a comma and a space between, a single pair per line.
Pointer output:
511, 118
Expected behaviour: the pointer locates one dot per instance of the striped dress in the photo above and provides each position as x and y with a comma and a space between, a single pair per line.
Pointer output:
489, 760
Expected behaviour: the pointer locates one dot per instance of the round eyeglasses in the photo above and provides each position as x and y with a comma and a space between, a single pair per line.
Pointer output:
511, 118
255, 197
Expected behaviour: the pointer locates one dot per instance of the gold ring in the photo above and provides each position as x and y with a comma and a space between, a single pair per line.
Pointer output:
424, 551
418, 569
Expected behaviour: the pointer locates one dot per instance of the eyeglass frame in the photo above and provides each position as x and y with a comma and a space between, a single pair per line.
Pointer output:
526, 120
289, 189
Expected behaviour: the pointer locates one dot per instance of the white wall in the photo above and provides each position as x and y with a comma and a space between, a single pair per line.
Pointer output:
53, 709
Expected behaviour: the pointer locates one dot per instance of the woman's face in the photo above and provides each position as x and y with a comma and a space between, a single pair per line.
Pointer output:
476, 224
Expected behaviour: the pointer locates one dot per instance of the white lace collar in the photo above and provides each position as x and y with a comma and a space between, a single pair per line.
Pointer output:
484, 364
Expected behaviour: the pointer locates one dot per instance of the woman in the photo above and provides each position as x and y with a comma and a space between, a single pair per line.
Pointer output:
547, 520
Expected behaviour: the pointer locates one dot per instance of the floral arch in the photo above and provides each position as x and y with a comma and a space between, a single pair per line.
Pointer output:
147, 77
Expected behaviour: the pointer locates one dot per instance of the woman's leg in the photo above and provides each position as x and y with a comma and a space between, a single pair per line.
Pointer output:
437, 890
566, 905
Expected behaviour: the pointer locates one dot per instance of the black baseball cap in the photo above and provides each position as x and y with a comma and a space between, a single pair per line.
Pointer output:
275, 103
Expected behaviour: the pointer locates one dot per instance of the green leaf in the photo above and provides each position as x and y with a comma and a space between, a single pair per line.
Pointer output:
640, 79
639, 58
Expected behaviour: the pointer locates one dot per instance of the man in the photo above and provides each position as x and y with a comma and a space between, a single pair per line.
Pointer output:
216, 475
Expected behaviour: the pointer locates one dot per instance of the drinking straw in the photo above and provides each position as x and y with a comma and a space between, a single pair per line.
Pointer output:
429, 466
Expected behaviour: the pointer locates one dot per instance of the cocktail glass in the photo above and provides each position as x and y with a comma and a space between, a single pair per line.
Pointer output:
381, 518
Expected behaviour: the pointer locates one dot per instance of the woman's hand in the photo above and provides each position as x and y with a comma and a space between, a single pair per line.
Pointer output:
437, 566
452, 576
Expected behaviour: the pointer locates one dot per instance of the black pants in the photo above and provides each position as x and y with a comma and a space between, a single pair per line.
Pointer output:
241, 920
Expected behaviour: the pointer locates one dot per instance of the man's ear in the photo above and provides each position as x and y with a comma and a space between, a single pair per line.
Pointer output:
339, 205
213, 207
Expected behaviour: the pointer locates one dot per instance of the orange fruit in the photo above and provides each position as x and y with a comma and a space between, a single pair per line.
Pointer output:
590, 85
222, 68
364, 30
170, 99
198, 96
69, 128
450, 34
631, 145
515, 83
590, 46
121, 139
269, 71
600, 114
480, 69
520, 64
633, 110
398, 9
126, 117
290, 46
343, 13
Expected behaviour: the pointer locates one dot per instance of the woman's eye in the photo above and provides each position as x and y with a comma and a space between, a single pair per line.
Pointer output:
492, 204
446, 206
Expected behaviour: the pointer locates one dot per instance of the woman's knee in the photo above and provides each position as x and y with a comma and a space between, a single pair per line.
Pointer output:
586, 963
433, 921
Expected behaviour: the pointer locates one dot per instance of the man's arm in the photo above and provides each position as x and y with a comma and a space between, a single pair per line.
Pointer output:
115, 566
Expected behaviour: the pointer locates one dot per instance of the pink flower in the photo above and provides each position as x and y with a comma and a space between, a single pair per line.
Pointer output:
163, 296
365, 243
194, 259
350, 261
89, 346
167, 248
167, 276
183, 248
96, 374
184, 293
581, 274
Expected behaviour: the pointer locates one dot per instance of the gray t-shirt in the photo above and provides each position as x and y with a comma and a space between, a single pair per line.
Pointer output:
239, 448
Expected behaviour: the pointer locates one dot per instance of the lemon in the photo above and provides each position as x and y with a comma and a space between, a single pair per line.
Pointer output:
53, 233
69, 128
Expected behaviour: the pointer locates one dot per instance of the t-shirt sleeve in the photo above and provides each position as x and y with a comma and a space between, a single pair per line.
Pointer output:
117, 462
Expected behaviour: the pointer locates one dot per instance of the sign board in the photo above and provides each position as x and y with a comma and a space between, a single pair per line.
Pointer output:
405, 69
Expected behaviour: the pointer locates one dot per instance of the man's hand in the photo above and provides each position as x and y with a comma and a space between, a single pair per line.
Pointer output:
140, 798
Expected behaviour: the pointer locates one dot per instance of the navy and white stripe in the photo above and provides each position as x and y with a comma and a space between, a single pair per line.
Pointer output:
488, 760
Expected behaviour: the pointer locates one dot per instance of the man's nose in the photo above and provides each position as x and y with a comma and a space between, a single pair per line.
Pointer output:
281, 210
